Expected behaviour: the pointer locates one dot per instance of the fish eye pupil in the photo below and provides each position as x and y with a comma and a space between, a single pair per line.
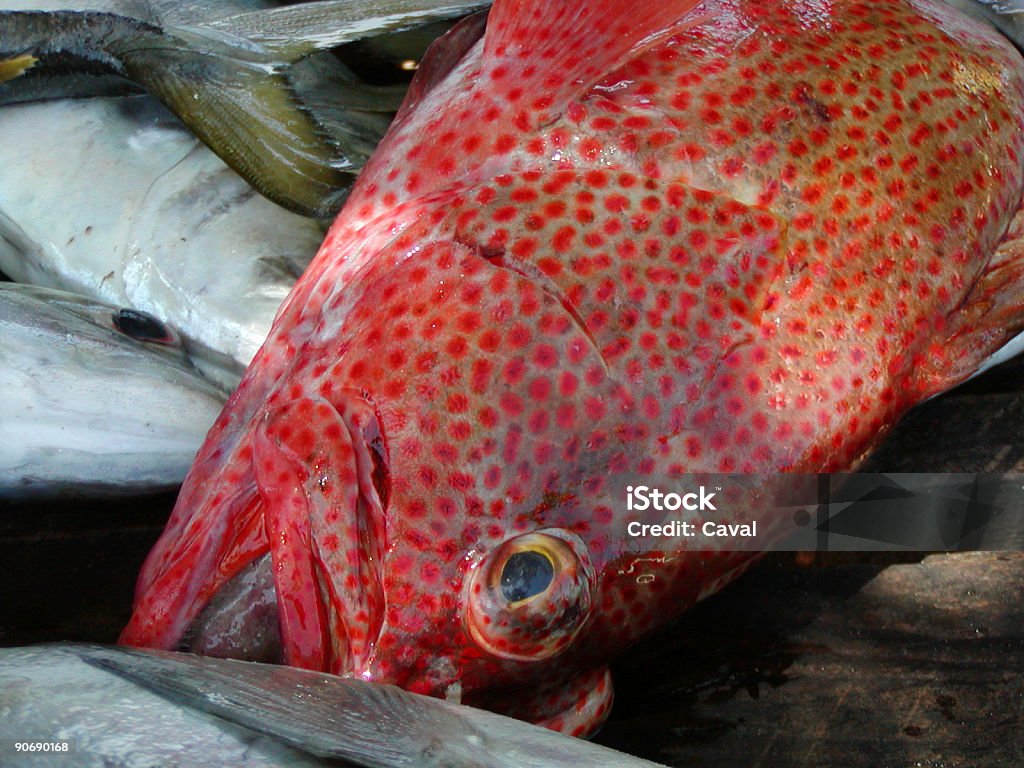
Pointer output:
526, 574
139, 325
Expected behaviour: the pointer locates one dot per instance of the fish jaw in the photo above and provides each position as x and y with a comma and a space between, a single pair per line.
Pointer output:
316, 469
305, 498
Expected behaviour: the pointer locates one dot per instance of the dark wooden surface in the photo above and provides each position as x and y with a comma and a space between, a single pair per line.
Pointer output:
840, 664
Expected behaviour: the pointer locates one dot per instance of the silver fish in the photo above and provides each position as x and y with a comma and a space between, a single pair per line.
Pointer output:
229, 79
96, 399
104, 702
116, 199
49, 693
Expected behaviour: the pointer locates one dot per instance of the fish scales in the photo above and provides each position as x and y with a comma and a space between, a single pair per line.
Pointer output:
611, 245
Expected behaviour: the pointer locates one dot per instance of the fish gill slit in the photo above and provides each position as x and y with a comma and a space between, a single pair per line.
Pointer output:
371, 514
498, 257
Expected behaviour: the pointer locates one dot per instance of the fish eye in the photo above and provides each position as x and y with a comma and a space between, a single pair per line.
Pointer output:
142, 326
528, 598
525, 575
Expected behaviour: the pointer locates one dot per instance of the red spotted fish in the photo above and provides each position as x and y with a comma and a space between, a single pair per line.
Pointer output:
603, 244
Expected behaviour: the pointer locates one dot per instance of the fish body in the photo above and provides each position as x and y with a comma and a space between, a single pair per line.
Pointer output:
135, 710
604, 246
64, 360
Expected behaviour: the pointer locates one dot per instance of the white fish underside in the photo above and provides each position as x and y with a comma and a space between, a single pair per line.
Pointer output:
89, 410
114, 199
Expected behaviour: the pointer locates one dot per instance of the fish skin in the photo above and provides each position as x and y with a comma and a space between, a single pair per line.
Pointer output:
51, 692
137, 709
62, 362
748, 246
148, 245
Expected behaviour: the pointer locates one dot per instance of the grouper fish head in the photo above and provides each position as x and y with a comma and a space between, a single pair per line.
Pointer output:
605, 245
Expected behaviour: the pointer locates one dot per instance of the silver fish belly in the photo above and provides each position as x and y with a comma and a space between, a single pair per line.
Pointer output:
88, 409
112, 198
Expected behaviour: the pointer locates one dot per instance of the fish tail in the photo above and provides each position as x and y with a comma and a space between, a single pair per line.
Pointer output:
228, 81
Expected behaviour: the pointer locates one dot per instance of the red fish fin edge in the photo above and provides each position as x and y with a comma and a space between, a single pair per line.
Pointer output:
441, 58
991, 315
540, 54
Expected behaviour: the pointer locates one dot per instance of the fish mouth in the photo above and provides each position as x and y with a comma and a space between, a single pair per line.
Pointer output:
241, 620
308, 591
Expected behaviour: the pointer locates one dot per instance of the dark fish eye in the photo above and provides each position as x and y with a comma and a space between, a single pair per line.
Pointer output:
141, 326
528, 598
526, 574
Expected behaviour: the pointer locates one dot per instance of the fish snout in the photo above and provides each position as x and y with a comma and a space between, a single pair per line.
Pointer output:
321, 470
288, 567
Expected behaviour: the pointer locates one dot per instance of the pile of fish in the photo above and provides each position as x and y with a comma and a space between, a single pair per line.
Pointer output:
117, 200
600, 245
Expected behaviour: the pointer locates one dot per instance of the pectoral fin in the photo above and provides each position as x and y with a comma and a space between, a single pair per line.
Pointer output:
991, 315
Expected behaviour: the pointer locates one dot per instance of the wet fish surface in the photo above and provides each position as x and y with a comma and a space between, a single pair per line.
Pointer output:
601, 246
174, 233
48, 693
97, 399
177, 233
105, 703
229, 77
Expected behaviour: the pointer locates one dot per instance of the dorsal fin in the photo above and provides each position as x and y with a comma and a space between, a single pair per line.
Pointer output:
441, 57
540, 54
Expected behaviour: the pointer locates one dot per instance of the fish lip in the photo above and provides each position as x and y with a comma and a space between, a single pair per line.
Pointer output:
347, 587
350, 578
